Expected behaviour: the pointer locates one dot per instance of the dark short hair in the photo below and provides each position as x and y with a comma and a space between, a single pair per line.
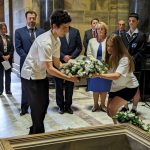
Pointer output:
59, 17
135, 15
30, 12
94, 19
3, 25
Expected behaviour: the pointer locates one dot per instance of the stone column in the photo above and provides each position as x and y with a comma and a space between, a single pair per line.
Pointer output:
142, 7
46, 8
2, 11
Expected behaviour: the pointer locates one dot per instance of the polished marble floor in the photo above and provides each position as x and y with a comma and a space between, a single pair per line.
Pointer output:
12, 124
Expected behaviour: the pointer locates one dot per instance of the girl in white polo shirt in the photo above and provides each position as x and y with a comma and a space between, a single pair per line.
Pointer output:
125, 84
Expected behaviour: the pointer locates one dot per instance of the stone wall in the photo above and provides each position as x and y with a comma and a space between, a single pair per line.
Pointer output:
1, 10
6, 14
108, 11
81, 11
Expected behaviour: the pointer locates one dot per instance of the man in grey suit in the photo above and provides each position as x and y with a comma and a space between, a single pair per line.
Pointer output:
24, 38
71, 47
91, 33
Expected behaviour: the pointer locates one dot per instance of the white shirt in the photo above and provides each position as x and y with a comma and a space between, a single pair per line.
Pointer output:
127, 79
4, 42
44, 48
67, 37
135, 31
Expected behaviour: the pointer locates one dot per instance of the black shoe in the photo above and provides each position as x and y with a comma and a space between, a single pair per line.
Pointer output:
69, 110
124, 109
94, 108
61, 110
8, 92
134, 111
31, 130
23, 112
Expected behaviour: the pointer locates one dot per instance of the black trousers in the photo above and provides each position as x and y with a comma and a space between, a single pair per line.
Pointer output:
24, 98
38, 97
61, 100
7, 79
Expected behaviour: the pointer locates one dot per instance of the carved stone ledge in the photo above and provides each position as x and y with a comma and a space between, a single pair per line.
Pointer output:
124, 137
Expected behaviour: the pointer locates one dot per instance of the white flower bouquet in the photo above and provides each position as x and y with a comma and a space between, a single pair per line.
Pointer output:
128, 117
84, 66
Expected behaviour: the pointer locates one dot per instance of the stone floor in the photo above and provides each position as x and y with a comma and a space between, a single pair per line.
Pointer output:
12, 124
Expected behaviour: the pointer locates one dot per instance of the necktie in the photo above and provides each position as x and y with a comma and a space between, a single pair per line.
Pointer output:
99, 51
32, 36
94, 34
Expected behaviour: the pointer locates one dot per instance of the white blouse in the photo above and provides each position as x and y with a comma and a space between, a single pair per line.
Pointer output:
93, 46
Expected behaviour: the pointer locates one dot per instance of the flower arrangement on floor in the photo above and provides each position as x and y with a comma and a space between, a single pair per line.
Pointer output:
128, 117
84, 66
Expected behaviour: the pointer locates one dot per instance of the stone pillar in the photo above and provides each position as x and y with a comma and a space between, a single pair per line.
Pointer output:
142, 7
46, 8
2, 11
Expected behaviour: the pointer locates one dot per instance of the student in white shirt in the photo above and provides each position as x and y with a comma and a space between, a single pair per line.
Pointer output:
125, 84
43, 58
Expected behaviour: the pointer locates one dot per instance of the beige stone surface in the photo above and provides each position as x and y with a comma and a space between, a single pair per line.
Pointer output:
12, 124
108, 11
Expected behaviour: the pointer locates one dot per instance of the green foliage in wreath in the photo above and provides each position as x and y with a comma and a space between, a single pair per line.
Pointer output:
128, 117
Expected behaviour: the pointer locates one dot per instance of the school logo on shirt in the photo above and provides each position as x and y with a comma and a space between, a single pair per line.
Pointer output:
134, 45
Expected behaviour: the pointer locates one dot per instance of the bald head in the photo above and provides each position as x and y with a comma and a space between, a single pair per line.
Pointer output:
121, 25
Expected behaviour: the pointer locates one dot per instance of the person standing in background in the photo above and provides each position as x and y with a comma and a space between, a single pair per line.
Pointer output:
71, 47
24, 38
120, 27
6, 54
97, 49
91, 33
135, 42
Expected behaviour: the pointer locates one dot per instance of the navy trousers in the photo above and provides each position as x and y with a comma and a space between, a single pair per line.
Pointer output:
64, 99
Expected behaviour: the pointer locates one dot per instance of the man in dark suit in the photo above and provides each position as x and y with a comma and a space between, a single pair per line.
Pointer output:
135, 41
71, 47
120, 28
24, 38
91, 33
6, 54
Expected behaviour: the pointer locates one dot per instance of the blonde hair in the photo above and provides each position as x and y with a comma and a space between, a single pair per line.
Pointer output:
102, 25
119, 51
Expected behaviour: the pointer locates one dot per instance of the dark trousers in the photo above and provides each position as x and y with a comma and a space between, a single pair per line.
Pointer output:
61, 100
7, 79
24, 98
38, 97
